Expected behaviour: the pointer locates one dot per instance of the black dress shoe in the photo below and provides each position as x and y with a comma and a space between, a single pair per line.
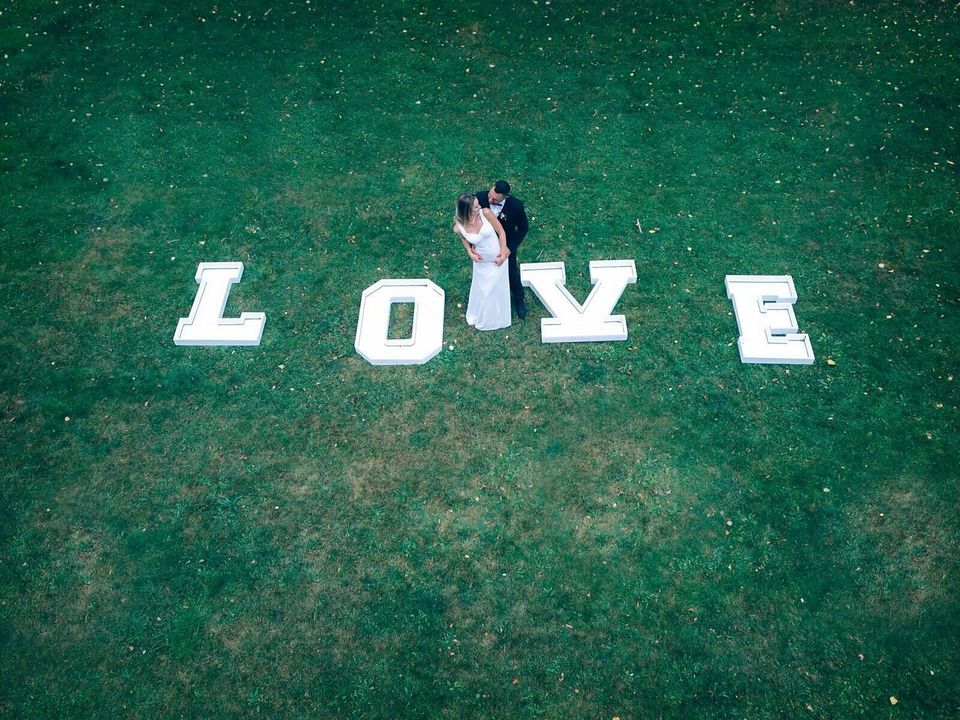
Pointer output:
522, 310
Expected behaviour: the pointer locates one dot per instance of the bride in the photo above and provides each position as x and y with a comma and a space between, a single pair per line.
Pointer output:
485, 242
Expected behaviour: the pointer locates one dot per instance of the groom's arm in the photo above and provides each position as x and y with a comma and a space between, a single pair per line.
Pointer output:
521, 219
501, 235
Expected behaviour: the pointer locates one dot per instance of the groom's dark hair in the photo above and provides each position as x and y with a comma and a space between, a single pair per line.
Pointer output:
502, 187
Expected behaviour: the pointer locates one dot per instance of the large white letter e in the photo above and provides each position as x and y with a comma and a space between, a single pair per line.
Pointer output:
768, 328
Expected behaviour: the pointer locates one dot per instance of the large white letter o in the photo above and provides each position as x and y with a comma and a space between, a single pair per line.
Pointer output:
373, 325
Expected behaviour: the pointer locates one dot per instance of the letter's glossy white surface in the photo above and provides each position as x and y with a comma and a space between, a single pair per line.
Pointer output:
206, 324
768, 328
571, 321
373, 324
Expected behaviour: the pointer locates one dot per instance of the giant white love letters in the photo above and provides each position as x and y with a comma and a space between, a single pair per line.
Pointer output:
769, 332
571, 321
373, 325
763, 305
206, 324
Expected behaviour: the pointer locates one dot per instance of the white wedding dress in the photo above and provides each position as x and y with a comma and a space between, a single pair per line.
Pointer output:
489, 304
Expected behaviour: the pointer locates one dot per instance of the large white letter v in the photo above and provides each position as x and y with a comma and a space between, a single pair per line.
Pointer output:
571, 321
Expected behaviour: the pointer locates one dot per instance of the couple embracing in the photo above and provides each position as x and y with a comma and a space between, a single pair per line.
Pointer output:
491, 225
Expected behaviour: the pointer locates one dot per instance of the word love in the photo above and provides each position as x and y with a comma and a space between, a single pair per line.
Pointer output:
763, 305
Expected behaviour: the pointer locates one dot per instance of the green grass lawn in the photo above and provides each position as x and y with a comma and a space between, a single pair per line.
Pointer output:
644, 529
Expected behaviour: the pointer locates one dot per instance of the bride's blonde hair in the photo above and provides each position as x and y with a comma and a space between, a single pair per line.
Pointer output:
465, 207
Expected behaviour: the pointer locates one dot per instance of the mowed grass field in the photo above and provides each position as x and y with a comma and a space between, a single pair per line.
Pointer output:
641, 529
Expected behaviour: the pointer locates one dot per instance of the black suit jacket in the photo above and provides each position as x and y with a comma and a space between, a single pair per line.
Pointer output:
512, 217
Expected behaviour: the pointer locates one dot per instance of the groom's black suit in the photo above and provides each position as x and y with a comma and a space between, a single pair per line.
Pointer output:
514, 220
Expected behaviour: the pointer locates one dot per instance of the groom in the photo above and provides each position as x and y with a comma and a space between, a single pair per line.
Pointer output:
510, 213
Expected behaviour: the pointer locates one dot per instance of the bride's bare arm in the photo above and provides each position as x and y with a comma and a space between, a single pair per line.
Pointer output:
471, 251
